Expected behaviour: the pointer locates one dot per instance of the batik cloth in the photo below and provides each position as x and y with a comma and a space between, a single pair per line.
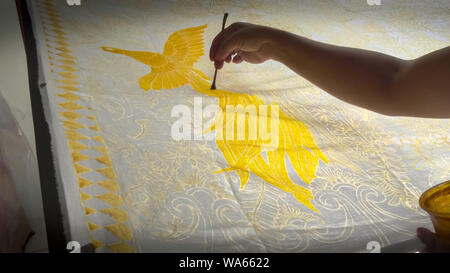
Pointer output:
341, 176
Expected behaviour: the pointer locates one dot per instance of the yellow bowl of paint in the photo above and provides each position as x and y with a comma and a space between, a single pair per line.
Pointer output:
436, 201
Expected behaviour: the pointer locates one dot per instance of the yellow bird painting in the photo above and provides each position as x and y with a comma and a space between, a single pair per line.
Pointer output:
174, 68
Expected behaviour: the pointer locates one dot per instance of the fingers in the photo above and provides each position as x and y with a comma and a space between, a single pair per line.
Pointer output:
215, 43
227, 48
233, 57
218, 64
434, 242
426, 236
237, 59
241, 56
224, 43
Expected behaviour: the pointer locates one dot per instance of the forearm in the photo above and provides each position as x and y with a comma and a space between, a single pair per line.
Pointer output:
360, 77
369, 79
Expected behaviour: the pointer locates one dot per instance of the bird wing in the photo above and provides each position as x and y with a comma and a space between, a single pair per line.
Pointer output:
186, 45
172, 69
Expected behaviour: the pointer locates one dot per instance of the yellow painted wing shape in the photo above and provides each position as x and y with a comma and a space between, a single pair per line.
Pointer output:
185, 46
172, 68
245, 156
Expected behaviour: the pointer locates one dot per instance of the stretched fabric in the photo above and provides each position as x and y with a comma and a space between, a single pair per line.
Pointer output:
145, 162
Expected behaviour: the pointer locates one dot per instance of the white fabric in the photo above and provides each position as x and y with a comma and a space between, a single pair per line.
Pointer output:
378, 166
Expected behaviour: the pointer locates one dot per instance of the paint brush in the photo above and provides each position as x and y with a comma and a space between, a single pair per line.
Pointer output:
213, 85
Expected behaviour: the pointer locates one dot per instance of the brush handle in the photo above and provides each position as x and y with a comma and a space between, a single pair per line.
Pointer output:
225, 16
213, 85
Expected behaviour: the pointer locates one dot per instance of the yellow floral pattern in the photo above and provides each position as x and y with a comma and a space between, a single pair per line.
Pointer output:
182, 49
175, 201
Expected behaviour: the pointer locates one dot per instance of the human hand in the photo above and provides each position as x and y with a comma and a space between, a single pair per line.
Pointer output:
242, 42
434, 243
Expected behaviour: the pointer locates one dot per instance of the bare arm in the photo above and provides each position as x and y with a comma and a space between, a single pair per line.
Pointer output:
372, 80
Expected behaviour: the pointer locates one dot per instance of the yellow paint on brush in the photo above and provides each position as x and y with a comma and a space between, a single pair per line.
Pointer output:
174, 68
